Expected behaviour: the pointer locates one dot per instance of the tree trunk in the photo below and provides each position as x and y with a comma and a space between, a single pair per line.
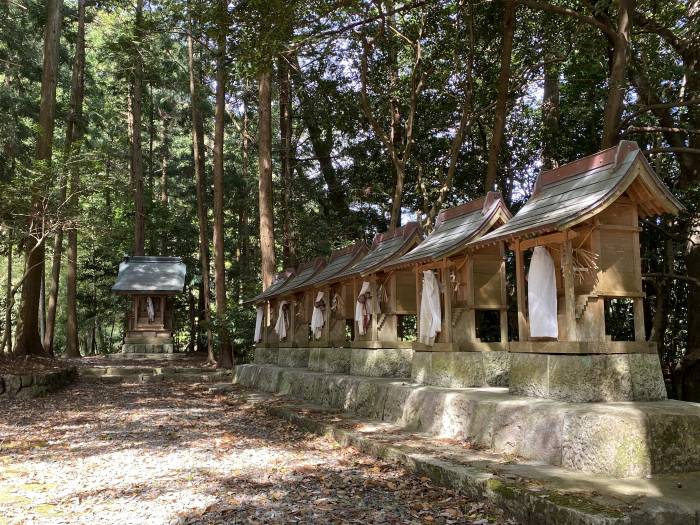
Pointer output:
243, 241
267, 231
499, 120
9, 302
285, 108
550, 113
200, 182
28, 340
225, 351
618, 75
321, 143
73, 134
136, 153
164, 155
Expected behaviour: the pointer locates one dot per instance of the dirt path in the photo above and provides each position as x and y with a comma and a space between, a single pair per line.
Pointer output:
171, 453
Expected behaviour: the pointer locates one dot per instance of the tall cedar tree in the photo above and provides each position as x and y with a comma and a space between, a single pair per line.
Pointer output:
28, 340
73, 135
200, 182
267, 231
225, 351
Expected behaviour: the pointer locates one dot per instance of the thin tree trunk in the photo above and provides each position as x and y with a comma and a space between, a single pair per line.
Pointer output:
164, 155
136, 152
285, 109
28, 340
550, 113
499, 120
200, 182
225, 351
618, 75
193, 325
9, 301
242, 244
73, 134
267, 232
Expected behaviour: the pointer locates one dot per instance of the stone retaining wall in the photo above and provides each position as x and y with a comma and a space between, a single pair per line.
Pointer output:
461, 369
34, 385
615, 439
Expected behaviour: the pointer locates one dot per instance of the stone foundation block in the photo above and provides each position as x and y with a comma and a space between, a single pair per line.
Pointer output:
587, 378
461, 369
293, 357
381, 362
330, 360
147, 348
265, 356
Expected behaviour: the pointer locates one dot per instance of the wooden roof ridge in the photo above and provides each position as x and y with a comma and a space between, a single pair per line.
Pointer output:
340, 252
310, 263
613, 155
405, 231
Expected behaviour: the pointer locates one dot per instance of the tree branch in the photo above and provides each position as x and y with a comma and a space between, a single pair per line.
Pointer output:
544, 6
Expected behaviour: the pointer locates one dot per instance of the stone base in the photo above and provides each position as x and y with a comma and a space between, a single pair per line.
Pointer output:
265, 356
293, 357
330, 360
381, 362
461, 369
588, 378
615, 439
142, 348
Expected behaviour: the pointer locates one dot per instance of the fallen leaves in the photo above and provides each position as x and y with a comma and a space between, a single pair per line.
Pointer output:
169, 453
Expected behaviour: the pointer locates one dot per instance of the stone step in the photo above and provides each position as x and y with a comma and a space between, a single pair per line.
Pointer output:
113, 371
616, 439
146, 356
221, 388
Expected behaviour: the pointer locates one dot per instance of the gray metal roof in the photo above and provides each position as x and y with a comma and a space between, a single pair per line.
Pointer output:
142, 275
385, 247
339, 261
455, 227
573, 192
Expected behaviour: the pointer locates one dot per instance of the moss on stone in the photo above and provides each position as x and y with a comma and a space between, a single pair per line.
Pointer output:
582, 504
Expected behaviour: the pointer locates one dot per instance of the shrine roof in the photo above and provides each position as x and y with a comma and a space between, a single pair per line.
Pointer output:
279, 281
572, 193
386, 247
339, 261
304, 273
150, 275
455, 227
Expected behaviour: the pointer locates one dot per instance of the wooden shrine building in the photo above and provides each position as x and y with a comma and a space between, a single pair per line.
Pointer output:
294, 305
265, 336
150, 282
380, 297
469, 280
334, 298
582, 223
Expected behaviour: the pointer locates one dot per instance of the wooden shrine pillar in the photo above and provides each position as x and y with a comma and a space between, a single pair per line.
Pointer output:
523, 329
447, 299
567, 262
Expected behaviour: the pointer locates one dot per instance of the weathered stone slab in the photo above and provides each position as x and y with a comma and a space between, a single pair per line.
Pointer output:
381, 362
461, 369
618, 439
293, 357
265, 356
587, 378
336, 360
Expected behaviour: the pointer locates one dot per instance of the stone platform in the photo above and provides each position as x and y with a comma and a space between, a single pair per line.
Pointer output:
372, 362
617, 439
461, 369
588, 378
147, 348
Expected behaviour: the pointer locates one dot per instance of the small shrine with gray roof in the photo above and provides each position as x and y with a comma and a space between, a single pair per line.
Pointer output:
150, 282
